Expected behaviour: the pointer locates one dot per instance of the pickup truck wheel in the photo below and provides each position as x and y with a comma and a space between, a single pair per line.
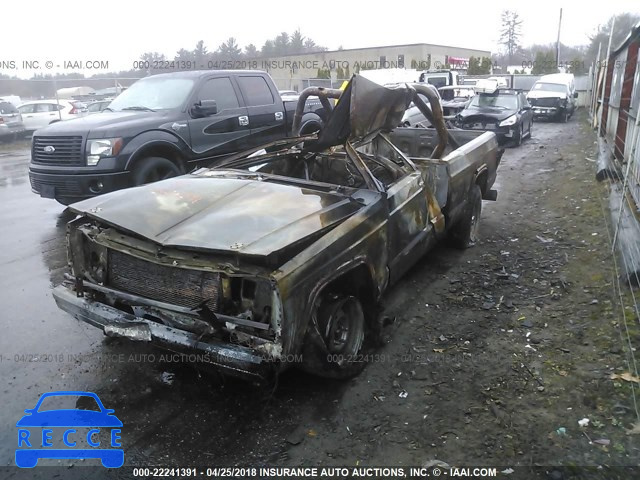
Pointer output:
341, 323
153, 169
465, 233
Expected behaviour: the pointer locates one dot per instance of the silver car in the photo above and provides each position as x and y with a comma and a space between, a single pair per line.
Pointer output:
11, 125
98, 106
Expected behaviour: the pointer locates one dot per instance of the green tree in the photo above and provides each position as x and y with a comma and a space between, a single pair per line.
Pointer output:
323, 73
184, 55
510, 32
538, 64
200, 53
550, 65
251, 51
474, 66
296, 43
310, 46
281, 44
268, 49
152, 57
544, 62
485, 66
623, 25
577, 66
230, 49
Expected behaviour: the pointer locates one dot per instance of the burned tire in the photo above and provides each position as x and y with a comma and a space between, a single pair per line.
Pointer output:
342, 326
154, 169
464, 234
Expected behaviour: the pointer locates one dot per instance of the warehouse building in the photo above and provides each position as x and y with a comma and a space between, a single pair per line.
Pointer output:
295, 71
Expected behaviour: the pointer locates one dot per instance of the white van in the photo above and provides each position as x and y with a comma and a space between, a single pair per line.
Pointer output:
12, 99
554, 96
440, 78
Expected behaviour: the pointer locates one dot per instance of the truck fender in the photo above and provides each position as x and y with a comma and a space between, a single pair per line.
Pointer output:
341, 271
155, 140
480, 177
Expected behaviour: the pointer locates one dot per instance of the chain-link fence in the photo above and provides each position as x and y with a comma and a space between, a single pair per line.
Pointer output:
614, 108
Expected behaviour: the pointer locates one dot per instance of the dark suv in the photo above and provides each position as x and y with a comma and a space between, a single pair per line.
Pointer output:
160, 127
504, 112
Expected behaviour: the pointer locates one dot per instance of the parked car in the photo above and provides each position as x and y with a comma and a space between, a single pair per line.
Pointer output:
11, 125
279, 259
504, 112
13, 99
455, 98
162, 126
554, 97
41, 113
413, 117
98, 106
453, 101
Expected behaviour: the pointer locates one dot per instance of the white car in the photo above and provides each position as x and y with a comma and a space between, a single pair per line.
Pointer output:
98, 106
40, 113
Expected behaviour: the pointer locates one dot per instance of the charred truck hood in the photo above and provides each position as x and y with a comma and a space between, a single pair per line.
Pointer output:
223, 214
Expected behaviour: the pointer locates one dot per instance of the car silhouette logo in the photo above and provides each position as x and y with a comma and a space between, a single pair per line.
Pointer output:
34, 444
49, 149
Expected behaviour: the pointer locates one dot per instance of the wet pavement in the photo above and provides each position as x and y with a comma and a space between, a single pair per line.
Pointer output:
173, 414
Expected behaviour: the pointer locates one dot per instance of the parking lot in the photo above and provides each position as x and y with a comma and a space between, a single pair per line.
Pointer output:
492, 351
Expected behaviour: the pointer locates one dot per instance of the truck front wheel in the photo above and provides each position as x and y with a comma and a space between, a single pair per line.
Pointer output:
153, 169
464, 234
342, 325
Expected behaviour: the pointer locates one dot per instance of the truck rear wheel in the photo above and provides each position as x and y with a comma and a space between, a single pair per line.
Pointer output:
464, 234
153, 169
342, 325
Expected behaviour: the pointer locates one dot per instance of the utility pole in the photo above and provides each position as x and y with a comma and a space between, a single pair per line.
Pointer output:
558, 41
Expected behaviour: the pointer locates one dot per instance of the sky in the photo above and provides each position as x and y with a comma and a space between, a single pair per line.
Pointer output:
119, 31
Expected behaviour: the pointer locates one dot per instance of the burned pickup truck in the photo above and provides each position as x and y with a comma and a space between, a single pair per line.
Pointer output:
276, 259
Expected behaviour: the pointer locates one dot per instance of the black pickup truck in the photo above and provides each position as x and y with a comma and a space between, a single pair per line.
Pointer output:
162, 126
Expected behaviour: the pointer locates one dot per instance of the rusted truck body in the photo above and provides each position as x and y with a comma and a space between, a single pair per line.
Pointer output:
281, 256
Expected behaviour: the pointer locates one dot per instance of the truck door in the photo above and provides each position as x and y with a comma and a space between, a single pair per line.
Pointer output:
219, 133
408, 221
408, 214
266, 111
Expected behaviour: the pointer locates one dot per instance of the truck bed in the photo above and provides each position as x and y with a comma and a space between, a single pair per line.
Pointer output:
451, 176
